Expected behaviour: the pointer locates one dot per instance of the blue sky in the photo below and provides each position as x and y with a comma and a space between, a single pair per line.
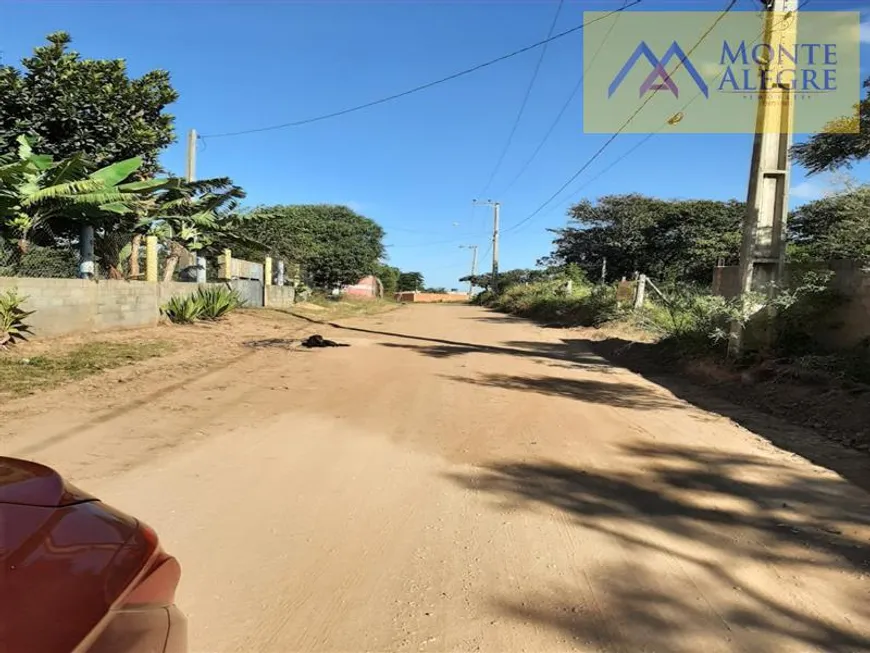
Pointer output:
415, 164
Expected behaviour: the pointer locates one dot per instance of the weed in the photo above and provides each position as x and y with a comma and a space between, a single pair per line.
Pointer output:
13, 327
26, 375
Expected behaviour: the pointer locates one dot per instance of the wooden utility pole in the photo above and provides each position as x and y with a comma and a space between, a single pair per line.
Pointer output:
495, 210
191, 155
762, 251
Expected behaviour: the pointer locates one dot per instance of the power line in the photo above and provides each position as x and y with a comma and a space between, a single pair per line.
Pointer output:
564, 108
610, 140
525, 101
422, 87
649, 136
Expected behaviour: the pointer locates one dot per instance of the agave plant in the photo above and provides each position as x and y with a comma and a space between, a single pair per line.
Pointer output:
217, 301
183, 310
13, 327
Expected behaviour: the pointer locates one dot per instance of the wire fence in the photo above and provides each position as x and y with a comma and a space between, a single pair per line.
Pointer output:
45, 255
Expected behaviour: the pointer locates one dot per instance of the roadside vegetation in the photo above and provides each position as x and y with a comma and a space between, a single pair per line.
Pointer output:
24, 375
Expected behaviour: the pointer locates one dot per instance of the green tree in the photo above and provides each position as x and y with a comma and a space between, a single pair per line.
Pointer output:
834, 227
85, 106
838, 146
410, 281
334, 244
389, 277
509, 278
674, 239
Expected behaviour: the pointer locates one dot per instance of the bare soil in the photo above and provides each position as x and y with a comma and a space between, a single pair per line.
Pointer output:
834, 409
457, 480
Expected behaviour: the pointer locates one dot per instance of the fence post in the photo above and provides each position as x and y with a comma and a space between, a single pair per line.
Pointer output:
267, 271
280, 278
151, 259
200, 269
639, 292
86, 252
225, 265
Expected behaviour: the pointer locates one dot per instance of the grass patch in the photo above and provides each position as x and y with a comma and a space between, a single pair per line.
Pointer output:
20, 375
324, 308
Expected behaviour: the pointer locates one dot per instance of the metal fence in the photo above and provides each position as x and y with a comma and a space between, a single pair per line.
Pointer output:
60, 259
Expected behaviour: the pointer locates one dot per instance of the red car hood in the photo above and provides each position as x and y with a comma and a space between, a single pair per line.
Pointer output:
65, 557
26, 483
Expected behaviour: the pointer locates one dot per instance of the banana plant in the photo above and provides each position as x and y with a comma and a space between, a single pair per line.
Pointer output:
36, 192
187, 216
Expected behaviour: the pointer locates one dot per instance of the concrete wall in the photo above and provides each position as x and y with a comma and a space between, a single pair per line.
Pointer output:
366, 288
430, 298
851, 321
75, 305
280, 296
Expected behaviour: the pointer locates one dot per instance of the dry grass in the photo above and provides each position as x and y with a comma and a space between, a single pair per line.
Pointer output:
20, 375
323, 308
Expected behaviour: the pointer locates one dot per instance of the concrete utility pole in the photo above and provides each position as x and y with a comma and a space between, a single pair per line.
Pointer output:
473, 249
495, 208
762, 252
191, 155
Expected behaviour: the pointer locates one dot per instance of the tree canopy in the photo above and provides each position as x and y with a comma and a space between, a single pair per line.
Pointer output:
833, 148
85, 106
333, 243
834, 227
410, 281
389, 277
672, 239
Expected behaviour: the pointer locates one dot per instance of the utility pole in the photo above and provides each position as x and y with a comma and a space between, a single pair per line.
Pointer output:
473, 249
495, 209
762, 251
191, 155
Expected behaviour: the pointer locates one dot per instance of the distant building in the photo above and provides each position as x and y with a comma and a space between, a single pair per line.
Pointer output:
369, 287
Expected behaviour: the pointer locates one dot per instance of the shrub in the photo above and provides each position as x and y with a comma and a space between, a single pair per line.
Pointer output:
217, 301
801, 312
183, 310
13, 328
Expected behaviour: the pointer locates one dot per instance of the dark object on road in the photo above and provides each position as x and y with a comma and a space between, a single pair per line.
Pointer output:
79, 575
319, 341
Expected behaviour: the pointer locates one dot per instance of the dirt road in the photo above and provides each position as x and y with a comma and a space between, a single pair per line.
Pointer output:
462, 481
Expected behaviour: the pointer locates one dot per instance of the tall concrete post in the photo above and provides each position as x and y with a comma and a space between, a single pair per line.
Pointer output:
762, 251
86, 253
200, 269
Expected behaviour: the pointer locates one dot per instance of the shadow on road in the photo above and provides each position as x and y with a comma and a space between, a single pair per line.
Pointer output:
622, 395
602, 356
704, 512
441, 348
641, 359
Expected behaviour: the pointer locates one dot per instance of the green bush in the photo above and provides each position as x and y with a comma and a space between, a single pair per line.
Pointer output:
13, 328
183, 310
217, 301
550, 301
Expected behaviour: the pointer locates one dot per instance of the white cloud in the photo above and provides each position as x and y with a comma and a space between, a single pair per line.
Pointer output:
807, 191
816, 189
864, 32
